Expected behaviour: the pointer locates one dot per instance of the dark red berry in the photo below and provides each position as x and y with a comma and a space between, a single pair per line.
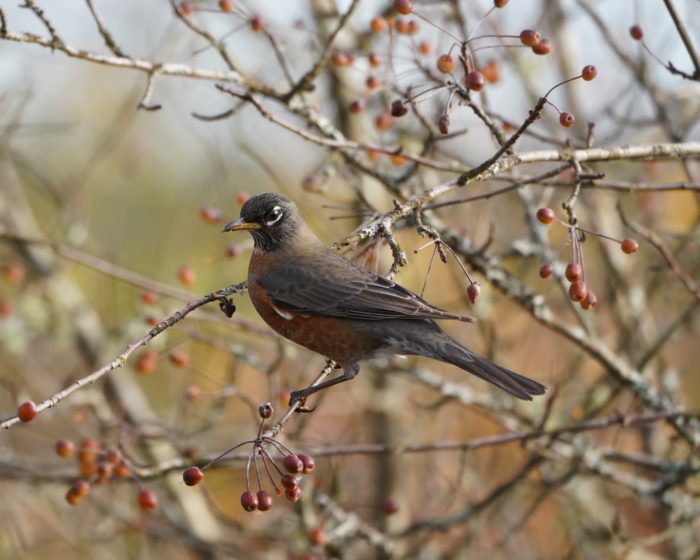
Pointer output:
264, 501
293, 464
475, 80
27, 411
289, 481
473, 291
293, 494
249, 500
578, 290
193, 476
500, 3
567, 119
573, 272
356, 106
444, 124
398, 109
529, 37
546, 271
590, 301
266, 411
636, 32
185, 8
589, 72
629, 246
390, 506
545, 215
318, 536
543, 47
308, 462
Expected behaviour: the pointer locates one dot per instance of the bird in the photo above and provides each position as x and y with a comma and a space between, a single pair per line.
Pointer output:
315, 297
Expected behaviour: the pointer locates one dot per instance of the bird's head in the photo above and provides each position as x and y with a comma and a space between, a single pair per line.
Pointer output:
272, 219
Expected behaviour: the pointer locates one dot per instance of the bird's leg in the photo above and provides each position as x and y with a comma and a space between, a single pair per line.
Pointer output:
302, 394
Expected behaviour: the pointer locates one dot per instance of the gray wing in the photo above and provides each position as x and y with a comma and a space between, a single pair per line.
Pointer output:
340, 288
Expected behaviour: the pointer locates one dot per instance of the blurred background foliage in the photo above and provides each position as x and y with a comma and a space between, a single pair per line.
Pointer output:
120, 192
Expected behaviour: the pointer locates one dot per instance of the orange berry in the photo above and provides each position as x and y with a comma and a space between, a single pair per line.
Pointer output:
242, 197
146, 362
589, 72
187, 276
87, 450
383, 121
226, 6
425, 48
14, 273
372, 82
578, 290
529, 37
491, 72
629, 246
185, 8
257, 24
378, 24
318, 536
500, 3
375, 60
179, 358
446, 64
543, 47
6, 308
545, 215
210, 214
403, 7
573, 272
149, 298
65, 448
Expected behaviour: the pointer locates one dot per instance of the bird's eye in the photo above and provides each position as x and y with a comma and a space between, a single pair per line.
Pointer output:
273, 216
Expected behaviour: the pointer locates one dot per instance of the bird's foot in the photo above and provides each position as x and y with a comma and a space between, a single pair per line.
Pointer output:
300, 397
227, 306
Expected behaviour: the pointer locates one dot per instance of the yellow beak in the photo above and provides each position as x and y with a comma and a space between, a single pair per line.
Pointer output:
240, 224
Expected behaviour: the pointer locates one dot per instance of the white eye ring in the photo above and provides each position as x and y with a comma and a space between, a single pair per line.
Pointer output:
275, 216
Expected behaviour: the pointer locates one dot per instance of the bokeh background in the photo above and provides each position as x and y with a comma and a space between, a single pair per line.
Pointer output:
101, 202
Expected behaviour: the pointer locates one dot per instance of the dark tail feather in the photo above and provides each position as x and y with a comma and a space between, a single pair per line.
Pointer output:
448, 350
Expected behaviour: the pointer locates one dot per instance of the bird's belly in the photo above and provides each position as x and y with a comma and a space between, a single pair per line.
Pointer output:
337, 339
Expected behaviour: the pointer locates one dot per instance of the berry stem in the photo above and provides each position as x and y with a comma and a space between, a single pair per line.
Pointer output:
231, 450
267, 470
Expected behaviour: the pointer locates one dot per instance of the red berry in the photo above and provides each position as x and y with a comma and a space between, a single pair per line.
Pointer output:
402, 27
403, 7
356, 106
529, 37
149, 298
185, 8
444, 124
293, 494
383, 121
179, 358
398, 108
289, 481
226, 6
257, 24
147, 500
413, 27
500, 3
446, 64
629, 246
193, 476
318, 536
242, 197
340, 59
122, 470
293, 464
636, 32
14, 273
308, 462
6, 308
546, 271
390, 506
475, 80
543, 47
249, 500
573, 272
374, 60
372, 82
187, 276
104, 472
545, 215
78, 490
113, 456
473, 291
65, 448
87, 450
578, 290
27, 411
566, 119
210, 214
589, 72
266, 411
378, 24
590, 301
264, 501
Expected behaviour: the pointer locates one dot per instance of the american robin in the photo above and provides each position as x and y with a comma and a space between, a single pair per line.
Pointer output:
315, 297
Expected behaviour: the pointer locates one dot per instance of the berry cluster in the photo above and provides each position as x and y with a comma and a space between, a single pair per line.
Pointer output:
579, 291
294, 464
99, 465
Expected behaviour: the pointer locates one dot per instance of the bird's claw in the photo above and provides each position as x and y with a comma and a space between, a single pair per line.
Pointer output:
299, 397
227, 306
